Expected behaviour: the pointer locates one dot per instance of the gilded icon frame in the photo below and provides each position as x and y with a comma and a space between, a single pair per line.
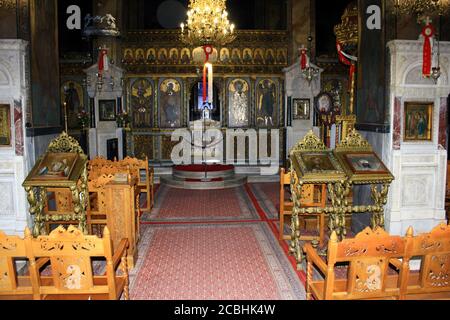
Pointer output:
301, 109
5, 125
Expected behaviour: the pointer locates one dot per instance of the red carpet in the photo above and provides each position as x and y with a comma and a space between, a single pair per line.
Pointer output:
268, 197
201, 205
223, 262
213, 244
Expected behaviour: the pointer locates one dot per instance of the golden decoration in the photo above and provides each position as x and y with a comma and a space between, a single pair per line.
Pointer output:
354, 142
65, 144
175, 85
347, 32
309, 143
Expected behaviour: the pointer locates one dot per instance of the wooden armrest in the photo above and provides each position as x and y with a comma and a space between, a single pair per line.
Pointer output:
313, 257
396, 263
120, 252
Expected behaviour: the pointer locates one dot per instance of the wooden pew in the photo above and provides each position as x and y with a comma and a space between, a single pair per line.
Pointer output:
72, 277
368, 257
12, 285
432, 281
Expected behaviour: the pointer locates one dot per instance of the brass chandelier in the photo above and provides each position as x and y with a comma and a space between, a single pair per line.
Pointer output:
422, 8
207, 24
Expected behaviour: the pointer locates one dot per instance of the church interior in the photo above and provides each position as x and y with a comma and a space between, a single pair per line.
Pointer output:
224, 150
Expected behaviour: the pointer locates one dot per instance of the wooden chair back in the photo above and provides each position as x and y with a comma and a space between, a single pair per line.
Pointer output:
97, 204
12, 247
70, 253
368, 256
434, 250
138, 169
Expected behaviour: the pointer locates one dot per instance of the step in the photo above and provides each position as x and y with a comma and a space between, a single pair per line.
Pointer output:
198, 184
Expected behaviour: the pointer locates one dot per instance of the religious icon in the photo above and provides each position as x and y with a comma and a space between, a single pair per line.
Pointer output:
224, 55
270, 58
140, 55
247, 56
259, 56
236, 56
418, 121
318, 162
55, 166
324, 103
266, 103
141, 103
5, 125
162, 56
281, 57
107, 110
170, 103
238, 103
367, 162
128, 56
174, 56
185, 56
151, 56
301, 109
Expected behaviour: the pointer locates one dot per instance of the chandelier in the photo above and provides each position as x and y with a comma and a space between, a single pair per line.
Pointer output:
207, 24
422, 8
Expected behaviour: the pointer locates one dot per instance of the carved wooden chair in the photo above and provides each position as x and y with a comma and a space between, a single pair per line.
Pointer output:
145, 176
312, 196
433, 279
12, 285
369, 257
97, 208
71, 254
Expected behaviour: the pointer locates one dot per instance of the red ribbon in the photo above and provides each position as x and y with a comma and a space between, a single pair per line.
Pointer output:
303, 59
427, 32
343, 59
101, 60
208, 49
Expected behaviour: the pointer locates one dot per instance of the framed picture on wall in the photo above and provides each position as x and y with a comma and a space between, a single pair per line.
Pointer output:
418, 121
107, 110
301, 109
5, 125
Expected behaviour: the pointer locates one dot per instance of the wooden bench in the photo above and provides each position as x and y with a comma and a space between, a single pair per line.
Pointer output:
378, 266
432, 281
12, 285
139, 169
114, 205
70, 254
312, 196
367, 257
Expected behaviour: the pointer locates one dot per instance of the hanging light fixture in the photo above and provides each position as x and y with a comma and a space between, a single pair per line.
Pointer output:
207, 24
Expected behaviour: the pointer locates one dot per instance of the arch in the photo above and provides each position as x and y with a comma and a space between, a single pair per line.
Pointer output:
413, 76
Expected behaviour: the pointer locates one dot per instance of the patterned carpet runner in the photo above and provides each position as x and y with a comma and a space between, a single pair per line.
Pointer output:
213, 245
